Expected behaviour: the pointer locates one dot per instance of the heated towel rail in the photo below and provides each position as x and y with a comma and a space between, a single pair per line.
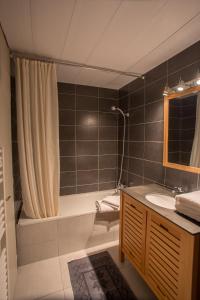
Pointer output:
3, 253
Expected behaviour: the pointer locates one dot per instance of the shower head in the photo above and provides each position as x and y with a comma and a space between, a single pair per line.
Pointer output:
121, 111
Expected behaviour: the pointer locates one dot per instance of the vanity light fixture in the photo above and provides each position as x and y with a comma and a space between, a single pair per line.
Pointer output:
181, 85
198, 78
166, 91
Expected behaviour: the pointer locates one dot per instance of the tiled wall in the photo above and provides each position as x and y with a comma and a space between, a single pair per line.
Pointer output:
91, 135
144, 142
88, 138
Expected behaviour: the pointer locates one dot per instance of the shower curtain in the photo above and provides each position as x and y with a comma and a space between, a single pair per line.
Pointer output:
195, 154
38, 137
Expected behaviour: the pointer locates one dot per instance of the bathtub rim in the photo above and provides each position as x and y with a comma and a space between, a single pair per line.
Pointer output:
24, 221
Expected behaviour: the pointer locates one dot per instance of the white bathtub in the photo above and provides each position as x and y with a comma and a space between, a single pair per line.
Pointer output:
77, 227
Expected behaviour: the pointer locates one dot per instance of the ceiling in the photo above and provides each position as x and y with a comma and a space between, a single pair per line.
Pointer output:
131, 35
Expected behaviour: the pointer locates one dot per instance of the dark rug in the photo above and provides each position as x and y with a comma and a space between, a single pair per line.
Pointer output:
96, 277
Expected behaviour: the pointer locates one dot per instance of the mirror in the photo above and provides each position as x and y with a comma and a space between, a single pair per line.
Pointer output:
182, 130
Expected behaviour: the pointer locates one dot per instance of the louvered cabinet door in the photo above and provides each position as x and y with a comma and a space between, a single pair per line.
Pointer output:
134, 231
169, 266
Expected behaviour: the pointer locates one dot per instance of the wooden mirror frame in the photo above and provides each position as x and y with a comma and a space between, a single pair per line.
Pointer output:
168, 98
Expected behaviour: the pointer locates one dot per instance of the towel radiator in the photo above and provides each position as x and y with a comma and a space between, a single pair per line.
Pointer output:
3, 252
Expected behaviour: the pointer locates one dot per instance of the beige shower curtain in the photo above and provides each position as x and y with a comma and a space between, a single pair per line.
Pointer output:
195, 154
38, 137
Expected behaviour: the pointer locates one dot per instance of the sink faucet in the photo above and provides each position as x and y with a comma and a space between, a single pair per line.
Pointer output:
177, 190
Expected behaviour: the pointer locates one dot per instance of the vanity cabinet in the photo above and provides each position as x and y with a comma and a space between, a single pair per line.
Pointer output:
134, 232
165, 255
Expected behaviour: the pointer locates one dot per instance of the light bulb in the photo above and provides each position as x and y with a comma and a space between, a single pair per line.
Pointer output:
198, 81
180, 87
166, 91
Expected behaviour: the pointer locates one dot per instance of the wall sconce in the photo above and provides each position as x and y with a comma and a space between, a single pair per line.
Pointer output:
198, 78
166, 91
181, 85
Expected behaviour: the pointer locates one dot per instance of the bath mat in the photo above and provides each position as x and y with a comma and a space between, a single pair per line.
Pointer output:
96, 277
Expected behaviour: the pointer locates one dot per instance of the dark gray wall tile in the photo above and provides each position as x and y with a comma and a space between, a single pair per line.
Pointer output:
108, 133
136, 99
180, 178
66, 101
67, 117
154, 111
136, 133
136, 149
107, 161
136, 116
107, 186
67, 132
106, 104
134, 180
66, 88
86, 132
108, 119
87, 103
108, 147
107, 175
87, 188
136, 165
108, 93
87, 148
87, 177
86, 118
87, 162
154, 131
67, 179
67, 190
154, 171
153, 151
154, 91
67, 163
67, 148
87, 90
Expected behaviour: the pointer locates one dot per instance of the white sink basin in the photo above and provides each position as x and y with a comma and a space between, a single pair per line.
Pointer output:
161, 200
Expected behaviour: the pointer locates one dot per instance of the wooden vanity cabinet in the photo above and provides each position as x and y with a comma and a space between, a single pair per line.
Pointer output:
134, 232
166, 256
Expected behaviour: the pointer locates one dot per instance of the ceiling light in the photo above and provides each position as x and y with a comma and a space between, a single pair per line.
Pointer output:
166, 91
198, 78
181, 86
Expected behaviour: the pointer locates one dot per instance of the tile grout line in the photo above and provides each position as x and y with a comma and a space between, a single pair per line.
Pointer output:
143, 173
98, 175
76, 177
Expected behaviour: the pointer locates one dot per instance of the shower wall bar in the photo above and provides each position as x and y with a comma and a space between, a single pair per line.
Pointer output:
74, 64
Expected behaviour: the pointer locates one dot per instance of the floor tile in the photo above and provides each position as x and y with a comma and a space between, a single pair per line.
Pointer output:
38, 279
50, 279
60, 295
68, 293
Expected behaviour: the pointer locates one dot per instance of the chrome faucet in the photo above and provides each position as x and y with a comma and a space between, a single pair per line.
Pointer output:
178, 190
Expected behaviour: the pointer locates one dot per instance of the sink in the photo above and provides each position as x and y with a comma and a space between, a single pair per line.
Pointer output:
161, 200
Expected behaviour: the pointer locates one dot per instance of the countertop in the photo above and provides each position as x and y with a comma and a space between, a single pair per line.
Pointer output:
139, 193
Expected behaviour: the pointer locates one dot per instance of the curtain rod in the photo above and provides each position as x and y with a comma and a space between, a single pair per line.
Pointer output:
73, 64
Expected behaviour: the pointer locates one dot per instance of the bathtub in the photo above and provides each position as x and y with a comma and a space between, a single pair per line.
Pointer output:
77, 227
